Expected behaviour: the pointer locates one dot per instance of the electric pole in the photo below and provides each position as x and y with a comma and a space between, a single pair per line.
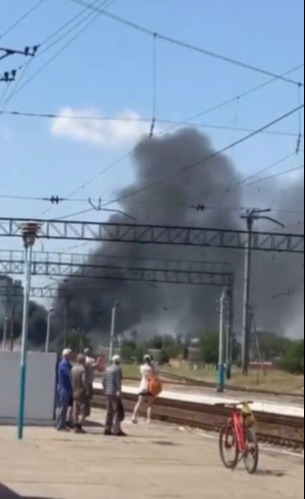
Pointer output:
250, 216
112, 330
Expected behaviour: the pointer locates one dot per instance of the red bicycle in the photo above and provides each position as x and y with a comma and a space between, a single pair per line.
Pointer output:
239, 437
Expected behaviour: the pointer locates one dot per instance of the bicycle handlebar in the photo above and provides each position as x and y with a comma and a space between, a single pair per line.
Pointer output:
234, 405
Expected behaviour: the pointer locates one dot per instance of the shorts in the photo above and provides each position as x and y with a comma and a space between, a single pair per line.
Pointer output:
81, 407
145, 394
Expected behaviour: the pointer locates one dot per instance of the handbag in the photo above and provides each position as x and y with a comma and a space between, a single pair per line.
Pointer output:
155, 386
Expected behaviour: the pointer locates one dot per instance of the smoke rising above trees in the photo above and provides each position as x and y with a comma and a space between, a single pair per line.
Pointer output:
215, 184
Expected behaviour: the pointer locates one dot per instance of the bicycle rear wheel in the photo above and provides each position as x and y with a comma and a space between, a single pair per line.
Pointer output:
228, 443
251, 456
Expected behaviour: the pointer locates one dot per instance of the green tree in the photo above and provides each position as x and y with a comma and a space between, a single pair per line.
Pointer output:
129, 351
209, 345
272, 345
77, 340
293, 359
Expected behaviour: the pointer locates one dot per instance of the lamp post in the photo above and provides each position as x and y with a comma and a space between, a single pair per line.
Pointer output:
251, 216
112, 330
221, 361
29, 234
5, 328
48, 334
66, 311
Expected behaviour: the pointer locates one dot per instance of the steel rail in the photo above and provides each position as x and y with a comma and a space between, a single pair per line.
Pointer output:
275, 429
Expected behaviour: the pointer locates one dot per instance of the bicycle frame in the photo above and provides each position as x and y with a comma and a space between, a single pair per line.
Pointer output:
235, 420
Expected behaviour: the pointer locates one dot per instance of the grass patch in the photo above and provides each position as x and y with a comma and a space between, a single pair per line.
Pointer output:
275, 381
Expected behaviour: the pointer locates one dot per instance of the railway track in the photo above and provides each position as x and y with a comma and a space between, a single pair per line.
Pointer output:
271, 428
175, 379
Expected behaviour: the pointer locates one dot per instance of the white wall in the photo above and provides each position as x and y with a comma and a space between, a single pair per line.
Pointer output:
40, 387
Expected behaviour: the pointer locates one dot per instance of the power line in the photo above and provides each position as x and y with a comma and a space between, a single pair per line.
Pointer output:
198, 207
204, 160
90, 16
188, 120
22, 18
279, 174
265, 169
107, 3
241, 95
26, 66
176, 123
183, 44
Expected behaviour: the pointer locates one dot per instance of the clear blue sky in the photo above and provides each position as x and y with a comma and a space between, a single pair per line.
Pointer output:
108, 70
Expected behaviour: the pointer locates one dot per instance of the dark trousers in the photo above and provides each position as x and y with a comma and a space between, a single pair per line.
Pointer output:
64, 397
113, 423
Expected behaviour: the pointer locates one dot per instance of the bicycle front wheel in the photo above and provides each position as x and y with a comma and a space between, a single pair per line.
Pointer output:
228, 447
251, 456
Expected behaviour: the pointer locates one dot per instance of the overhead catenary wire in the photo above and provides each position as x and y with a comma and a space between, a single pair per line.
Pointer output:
176, 123
198, 163
191, 166
16, 197
241, 95
188, 120
91, 20
245, 180
24, 68
299, 140
183, 44
21, 18
89, 16
154, 87
275, 175
270, 177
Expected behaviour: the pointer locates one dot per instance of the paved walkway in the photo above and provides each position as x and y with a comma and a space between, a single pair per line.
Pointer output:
152, 463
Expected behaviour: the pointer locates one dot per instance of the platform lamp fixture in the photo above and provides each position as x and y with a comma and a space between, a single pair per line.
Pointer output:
30, 232
48, 334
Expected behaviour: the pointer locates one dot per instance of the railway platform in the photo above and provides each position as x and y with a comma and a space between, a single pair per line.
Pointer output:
153, 462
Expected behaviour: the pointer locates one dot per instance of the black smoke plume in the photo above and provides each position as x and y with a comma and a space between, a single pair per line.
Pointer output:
37, 323
213, 183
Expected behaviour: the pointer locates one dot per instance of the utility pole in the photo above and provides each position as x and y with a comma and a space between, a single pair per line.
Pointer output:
5, 328
229, 331
12, 327
48, 333
250, 216
112, 330
221, 360
66, 316
30, 232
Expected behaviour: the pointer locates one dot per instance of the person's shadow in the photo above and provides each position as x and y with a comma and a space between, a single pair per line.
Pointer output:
6, 493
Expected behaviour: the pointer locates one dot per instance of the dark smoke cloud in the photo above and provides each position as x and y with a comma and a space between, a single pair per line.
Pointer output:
37, 323
214, 184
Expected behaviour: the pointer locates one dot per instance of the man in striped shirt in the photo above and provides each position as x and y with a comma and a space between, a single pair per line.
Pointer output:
112, 384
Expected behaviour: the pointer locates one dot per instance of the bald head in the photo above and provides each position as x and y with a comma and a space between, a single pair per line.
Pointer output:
66, 354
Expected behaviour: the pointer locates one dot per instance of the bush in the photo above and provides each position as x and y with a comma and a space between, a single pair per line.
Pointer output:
293, 359
209, 346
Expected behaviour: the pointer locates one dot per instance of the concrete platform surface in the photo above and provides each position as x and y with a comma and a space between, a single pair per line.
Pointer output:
154, 462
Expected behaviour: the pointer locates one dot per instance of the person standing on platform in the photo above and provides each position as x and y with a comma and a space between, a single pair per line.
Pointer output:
91, 365
148, 370
112, 384
80, 392
64, 389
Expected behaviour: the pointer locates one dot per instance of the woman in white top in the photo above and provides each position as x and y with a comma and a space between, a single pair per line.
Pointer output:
147, 370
